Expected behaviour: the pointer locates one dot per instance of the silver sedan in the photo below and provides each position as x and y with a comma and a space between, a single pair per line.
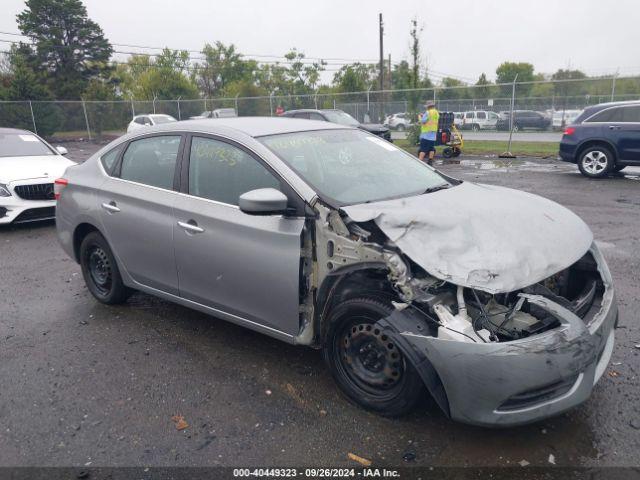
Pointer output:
498, 302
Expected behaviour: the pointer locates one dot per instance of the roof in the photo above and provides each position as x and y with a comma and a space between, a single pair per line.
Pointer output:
14, 131
252, 126
614, 104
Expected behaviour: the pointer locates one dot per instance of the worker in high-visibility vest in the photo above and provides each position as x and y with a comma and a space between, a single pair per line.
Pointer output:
428, 132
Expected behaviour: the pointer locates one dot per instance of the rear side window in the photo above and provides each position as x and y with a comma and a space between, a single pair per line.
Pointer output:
222, 172
109, 159
482, 115
631, 114
304, 115
151, 161
316, 116
469, 115
608, 115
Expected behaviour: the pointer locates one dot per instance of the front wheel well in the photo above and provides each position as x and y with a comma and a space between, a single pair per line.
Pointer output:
371, 283
79, 234
596, 143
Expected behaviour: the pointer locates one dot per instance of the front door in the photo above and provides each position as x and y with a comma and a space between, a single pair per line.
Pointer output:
137, 213
244, 265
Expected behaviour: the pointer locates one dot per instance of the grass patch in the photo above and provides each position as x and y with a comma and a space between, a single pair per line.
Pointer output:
492, 147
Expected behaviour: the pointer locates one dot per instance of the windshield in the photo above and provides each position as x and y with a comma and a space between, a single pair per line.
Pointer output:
158, 119
337, 116
22, 145
350, 166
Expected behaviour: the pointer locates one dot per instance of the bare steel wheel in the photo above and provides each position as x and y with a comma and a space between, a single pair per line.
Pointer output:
595, 162
100, 270
365, 363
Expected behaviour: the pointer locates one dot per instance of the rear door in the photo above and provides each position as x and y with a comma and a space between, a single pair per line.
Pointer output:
620, 125
137, 213
244, 265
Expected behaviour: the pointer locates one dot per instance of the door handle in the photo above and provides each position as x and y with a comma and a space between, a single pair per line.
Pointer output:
110, 207
191, 226
614, 127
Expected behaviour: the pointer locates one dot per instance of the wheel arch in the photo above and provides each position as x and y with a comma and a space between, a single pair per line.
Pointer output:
594, 142
362, 280
79, 233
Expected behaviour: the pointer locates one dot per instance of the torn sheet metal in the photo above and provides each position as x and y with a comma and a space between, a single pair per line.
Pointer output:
491, 238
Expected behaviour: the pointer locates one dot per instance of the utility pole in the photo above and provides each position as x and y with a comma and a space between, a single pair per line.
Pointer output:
381, 55
381, 70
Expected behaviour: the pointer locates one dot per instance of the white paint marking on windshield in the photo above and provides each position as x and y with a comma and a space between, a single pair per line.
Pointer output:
28, 138
382, 143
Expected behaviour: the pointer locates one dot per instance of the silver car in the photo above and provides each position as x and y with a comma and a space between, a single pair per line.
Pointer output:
497, 301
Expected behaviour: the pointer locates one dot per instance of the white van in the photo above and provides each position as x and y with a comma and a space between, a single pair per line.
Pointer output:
480, 120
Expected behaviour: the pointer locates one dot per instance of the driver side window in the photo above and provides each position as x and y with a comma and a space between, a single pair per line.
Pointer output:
222, 172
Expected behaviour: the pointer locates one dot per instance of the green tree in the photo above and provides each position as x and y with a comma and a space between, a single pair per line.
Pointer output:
451, 89
507, 72
355, 77
25, 85
69, 48
222, 66
101, 113
165, 77
483, 88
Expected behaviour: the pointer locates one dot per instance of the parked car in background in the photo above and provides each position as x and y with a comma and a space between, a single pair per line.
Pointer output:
324, 235
29, 167
562, 118
149, 120
479, 120
458, 119
217, 113
398, 121
524, 119
603, 139
340, 117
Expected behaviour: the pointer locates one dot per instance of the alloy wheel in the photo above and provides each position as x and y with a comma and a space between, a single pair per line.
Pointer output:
595, 162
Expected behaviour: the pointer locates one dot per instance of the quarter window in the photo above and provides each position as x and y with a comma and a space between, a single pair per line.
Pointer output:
151, 161
222, 172
109, 159
631, 114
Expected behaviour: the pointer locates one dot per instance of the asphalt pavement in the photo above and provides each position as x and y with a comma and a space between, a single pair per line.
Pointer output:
87, 384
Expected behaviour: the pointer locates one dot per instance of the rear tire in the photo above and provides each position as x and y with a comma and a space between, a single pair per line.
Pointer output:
366, 365
447, 152
100, 270
400, 127
475, 127
596, 162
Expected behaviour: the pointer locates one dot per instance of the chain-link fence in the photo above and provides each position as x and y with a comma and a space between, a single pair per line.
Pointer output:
95, 119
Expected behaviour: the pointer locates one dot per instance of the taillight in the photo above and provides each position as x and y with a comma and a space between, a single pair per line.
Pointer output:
58, 186
569, 131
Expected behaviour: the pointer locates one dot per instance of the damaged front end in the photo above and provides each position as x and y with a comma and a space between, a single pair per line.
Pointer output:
511, 358
503, 329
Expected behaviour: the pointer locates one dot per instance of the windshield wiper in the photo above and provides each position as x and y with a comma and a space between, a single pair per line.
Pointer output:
442, 186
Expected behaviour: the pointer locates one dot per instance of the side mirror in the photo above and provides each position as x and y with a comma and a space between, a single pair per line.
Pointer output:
263, 201
61, 150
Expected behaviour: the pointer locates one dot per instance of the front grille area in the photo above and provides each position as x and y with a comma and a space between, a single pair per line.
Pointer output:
35, 214
538, 395
39, 191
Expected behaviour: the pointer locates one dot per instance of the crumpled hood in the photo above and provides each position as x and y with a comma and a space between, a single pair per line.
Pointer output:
23, 168
491, 238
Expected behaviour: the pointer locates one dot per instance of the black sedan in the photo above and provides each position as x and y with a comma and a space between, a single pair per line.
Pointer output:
524, 119
340, 117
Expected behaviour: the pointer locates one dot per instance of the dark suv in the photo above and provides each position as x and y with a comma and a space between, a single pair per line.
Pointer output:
524, 119
605, 138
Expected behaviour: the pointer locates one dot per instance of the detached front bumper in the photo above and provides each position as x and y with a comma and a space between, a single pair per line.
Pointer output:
517, 382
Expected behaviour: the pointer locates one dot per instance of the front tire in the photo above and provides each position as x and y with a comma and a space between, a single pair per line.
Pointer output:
596, 162
475, 127
100, 270
366, 365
